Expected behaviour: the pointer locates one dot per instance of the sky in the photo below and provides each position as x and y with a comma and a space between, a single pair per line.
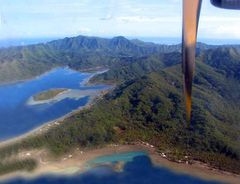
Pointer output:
107, 18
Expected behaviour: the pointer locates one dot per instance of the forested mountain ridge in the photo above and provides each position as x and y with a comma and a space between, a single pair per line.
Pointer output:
147, 105
216, 96
80, 53
226, 60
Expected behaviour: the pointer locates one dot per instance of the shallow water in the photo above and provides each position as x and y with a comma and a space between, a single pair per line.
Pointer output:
138, 169
17, 117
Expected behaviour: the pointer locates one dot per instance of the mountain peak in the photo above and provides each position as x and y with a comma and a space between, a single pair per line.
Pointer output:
119, 38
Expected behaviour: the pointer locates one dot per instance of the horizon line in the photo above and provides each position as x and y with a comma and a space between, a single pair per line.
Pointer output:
152, 39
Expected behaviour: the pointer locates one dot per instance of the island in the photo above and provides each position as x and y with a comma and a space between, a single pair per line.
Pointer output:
49, 94
144, 110
58, 94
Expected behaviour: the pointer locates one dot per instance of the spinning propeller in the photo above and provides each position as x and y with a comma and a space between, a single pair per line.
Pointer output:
191, 13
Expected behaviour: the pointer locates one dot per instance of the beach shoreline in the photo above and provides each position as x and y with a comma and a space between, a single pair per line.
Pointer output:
74, 163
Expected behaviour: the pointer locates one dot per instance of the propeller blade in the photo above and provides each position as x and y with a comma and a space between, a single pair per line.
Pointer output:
191, 12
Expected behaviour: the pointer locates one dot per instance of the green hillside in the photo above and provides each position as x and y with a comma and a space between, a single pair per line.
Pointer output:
80, 53
147, 105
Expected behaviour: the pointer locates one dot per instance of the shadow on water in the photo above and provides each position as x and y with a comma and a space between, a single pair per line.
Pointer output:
138, 171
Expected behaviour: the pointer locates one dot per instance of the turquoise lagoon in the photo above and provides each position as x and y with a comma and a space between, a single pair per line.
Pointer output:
137, 169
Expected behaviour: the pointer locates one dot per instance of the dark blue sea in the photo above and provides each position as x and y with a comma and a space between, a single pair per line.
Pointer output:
138, 169
17, 117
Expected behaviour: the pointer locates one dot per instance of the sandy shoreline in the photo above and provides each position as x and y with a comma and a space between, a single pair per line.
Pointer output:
75, 163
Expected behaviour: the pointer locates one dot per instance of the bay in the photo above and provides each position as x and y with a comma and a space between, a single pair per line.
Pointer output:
17, 117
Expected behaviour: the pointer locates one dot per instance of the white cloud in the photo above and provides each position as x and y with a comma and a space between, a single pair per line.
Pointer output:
113, 17
107, 17
217, 19
148, 19
219, 27
84, 30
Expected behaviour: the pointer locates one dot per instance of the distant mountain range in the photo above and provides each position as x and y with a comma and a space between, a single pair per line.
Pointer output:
81, 53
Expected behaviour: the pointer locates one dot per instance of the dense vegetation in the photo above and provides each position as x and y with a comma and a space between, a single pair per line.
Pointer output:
16, 165
147, 105
23, 62
80, 53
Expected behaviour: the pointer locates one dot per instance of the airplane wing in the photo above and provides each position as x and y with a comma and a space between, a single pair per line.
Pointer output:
227, 4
